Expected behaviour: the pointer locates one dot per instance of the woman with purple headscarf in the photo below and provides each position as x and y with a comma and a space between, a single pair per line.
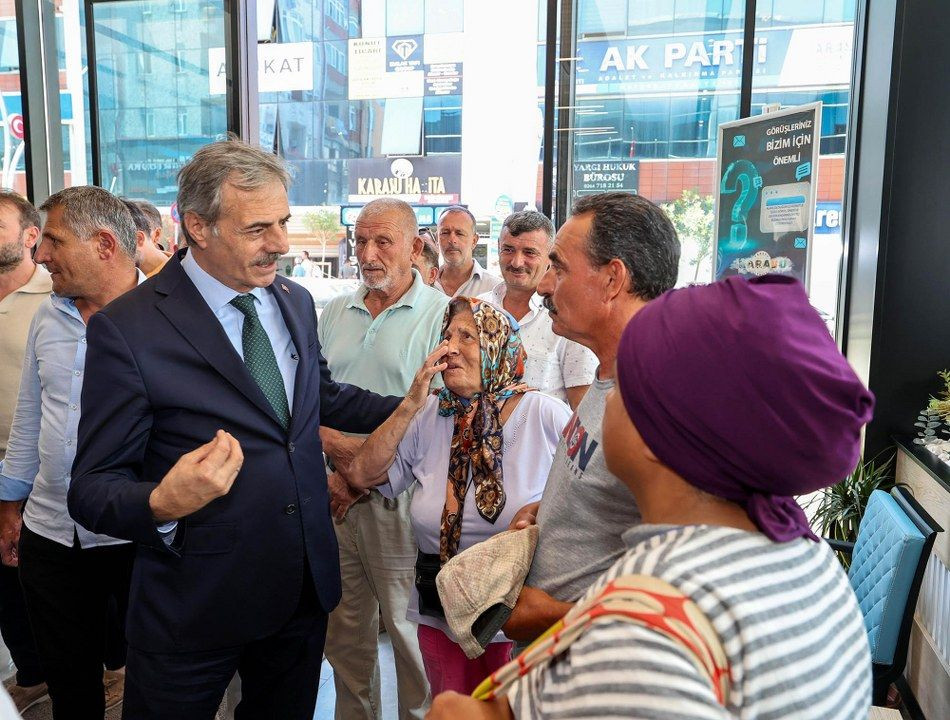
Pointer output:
731, 400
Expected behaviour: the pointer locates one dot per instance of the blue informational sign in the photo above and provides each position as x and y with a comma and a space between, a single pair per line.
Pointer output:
404, 53
783, 57
765, 204
426, 215
348, 215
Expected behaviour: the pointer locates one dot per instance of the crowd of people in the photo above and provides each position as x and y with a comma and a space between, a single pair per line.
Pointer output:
206, 490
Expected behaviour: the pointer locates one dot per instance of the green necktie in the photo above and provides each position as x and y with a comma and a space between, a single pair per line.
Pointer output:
260, 359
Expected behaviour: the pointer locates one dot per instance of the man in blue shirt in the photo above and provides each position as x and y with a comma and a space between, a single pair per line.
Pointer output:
204, 395
69, 575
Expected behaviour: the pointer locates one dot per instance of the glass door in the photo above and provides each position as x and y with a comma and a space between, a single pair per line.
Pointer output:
157, 91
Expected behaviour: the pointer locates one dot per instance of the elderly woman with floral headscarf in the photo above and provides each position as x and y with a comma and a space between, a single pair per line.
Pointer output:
474, 452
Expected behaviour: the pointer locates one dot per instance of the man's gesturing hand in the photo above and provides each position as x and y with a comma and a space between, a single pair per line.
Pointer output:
198, 477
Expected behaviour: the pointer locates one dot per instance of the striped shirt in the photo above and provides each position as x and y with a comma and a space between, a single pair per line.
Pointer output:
785, 613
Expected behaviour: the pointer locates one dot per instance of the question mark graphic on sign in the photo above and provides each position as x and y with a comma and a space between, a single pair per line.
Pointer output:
740, 177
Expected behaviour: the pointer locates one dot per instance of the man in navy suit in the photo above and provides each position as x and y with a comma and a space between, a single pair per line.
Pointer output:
204, 392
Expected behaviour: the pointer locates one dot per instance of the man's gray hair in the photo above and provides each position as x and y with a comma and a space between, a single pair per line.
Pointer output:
151, 213
638, 233
233, 161
88, 209
459, 209
138, 217
525, 221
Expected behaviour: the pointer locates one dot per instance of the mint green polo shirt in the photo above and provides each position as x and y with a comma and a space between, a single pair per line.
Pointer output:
384, 353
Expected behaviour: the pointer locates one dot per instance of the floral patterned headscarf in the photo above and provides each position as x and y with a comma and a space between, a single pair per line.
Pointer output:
476, 437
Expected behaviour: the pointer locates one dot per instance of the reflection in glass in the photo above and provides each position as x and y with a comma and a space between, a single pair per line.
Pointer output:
161, 91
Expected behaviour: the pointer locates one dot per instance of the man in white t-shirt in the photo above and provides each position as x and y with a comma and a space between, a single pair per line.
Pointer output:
556, 366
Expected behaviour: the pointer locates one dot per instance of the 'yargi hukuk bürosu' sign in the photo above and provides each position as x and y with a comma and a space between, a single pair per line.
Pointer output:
605, 176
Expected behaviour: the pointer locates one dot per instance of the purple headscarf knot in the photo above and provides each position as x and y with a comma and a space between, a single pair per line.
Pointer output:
739, 388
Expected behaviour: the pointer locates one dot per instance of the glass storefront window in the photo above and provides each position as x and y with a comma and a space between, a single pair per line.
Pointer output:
653, 82
161, 93
433, 101
813, 41
438, 102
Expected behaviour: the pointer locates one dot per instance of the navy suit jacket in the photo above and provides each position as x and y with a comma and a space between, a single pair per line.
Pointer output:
161, 379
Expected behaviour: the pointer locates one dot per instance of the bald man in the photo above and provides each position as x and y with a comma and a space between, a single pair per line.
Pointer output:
392, 308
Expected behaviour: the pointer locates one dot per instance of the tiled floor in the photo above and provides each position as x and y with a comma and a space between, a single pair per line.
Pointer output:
387, 673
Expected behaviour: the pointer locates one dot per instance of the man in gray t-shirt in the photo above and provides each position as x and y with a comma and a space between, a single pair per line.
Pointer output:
613, 255
584, 509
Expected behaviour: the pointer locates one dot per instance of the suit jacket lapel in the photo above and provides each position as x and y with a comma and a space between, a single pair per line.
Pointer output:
189, 313
298, 333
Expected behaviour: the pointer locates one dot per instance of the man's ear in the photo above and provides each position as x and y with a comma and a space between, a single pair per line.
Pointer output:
617, 279
31, 236
107, 245
197, 228
417, 244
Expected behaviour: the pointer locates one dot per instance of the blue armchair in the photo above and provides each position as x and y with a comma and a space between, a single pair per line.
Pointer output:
894, 542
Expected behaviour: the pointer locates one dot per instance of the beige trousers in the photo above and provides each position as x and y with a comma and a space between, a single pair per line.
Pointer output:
377, 566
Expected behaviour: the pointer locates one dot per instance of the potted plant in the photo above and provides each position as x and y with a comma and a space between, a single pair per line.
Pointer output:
941, 403
934, 422
836, 511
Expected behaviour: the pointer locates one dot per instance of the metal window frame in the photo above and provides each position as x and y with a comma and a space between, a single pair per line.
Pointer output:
39, 96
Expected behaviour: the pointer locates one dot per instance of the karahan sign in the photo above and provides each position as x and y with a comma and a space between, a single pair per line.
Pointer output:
421, 180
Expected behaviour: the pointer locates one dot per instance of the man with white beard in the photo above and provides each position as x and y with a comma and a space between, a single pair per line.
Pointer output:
377, 338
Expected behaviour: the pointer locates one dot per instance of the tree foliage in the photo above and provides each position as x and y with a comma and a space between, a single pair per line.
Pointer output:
324, 224
692, 216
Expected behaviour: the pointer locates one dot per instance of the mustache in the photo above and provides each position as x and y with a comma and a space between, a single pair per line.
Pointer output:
266, 259
549, 304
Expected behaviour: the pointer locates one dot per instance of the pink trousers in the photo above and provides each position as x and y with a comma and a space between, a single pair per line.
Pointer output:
447, 667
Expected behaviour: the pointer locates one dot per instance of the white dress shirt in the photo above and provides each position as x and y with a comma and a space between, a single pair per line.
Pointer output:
480, 281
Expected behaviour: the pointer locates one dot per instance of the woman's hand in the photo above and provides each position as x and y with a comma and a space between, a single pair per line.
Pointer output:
369, 465
419, 390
